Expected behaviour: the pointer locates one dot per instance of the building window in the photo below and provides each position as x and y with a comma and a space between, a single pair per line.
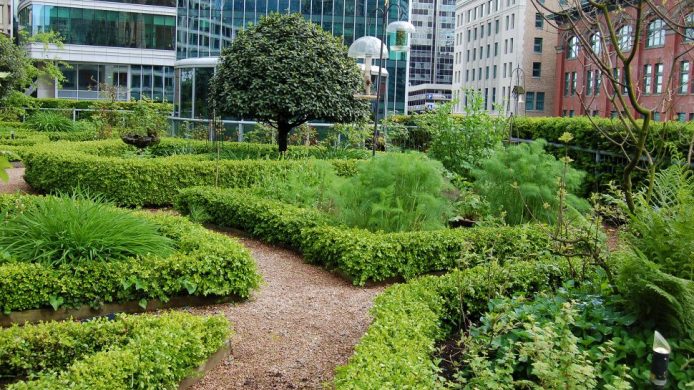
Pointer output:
493, 96
537, 45
572, 48
513, 21
656, 34
596, 43
537, 69
625, 38
539, 101
467, 75
647, 79
486, 73
479, 73
571, 113
494, 72
589, 82
684, 77
506, 24
656, 116
567, 83
689, 29
488, 51
496, 26
511, 46
539, 20
474, 54
574, 81
658, 78
496, 49
598, 82
529, 101
681, 117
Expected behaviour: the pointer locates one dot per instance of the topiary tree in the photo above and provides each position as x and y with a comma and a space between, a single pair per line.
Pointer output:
285, 71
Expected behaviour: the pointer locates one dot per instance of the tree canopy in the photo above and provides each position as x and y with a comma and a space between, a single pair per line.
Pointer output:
285, 71
14, 66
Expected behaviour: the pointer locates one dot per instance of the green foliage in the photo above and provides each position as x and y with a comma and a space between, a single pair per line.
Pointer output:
522, 182
397, 349
461, 144
146, 120
308, 186
394, 192
580, 338
14, 65
655, 295
72, 229
100, 167
204, 263
4, 164
662, 223
143, 351
357, 253
49, 121
287, 70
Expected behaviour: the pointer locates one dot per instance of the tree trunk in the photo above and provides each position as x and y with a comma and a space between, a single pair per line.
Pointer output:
283, 129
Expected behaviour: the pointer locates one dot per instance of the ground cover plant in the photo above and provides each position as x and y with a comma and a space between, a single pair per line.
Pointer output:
143, 351
186, 260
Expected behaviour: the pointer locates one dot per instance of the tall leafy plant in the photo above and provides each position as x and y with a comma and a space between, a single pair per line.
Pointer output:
461, 144
394, 192
521, 182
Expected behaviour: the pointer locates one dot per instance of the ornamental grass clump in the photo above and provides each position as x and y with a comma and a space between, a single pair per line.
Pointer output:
70, 229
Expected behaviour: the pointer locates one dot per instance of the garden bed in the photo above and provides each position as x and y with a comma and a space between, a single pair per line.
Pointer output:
360, 255
155, 177
202, 264
166, 351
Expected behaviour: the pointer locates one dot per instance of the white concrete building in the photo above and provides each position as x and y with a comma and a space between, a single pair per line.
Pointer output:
502, 47
6, 17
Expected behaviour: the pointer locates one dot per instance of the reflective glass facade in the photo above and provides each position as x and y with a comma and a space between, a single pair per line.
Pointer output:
163, 3
431, 54
206, 26
94, 27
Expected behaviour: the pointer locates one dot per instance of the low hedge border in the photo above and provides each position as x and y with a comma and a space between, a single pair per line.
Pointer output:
397, 350
142, 351
134, 181
358, 254
205, 264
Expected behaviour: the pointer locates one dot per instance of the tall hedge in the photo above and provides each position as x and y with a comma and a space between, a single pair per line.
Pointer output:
102, 167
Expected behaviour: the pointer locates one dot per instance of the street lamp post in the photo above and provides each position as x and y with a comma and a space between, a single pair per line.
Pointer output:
517, 91
368, 47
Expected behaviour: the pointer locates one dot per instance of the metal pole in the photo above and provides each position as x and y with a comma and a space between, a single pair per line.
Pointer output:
378, 78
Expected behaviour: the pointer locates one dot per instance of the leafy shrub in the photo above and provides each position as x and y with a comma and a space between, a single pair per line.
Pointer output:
461, 145
662, 223
58, 230
49, 121
654, 294
582, 339
308, 186
100, 167
397, 349
357, 253
146, 120
394, 192
205, 263
143, 351
522, 183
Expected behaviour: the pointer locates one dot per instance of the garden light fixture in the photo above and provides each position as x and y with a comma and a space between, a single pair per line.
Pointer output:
661, 356
369, 48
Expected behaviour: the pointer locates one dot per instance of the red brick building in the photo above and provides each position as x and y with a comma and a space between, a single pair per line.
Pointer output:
662, 67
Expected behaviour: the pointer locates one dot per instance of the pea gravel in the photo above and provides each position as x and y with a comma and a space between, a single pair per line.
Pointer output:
16, 182
292, 333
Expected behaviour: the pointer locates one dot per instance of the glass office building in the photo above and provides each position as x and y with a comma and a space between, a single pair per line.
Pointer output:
128, 44
204, 27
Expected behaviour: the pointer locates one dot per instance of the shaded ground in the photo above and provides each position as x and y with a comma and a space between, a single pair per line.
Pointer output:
292, 333
16, 182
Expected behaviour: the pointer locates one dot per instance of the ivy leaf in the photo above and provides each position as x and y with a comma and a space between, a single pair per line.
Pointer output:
143, 303
190, 286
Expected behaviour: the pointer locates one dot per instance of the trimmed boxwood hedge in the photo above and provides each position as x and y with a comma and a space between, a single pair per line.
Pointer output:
397, 350
130, 352
204, 264
138, 181
359, 254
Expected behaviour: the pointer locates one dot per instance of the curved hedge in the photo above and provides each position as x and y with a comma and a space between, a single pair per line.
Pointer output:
359, 254
130, 352
204, 264
397, 351
138, 181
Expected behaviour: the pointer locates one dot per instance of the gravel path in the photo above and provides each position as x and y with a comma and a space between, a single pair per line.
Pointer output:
292, 333
16, 182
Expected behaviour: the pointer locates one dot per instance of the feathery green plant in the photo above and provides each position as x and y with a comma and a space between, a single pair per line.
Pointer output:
394, 192
50, 121
521, 182
69, 229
